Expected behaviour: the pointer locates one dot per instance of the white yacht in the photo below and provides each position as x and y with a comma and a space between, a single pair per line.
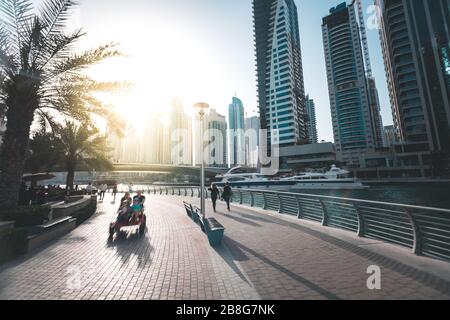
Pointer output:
334, 179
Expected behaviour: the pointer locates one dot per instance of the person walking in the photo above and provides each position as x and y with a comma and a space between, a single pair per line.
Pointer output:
103, 189
214, 195
114, 191
226, 194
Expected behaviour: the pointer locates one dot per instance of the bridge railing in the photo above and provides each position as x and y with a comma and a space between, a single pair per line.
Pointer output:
425, 230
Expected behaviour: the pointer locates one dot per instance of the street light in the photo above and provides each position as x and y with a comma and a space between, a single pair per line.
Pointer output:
201, 109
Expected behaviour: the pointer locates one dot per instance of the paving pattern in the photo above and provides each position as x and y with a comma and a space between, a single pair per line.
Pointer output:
262, 257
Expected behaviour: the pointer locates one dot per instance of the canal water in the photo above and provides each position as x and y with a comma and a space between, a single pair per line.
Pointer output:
429, 195
420, 194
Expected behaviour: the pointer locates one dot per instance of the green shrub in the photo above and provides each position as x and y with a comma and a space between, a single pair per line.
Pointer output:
13, 243
26, 216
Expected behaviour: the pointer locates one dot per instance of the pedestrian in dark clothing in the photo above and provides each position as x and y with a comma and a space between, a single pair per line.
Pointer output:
214, 195
114, 191
226, 195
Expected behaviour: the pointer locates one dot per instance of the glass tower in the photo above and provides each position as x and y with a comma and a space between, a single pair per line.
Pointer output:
281, 94
355, 117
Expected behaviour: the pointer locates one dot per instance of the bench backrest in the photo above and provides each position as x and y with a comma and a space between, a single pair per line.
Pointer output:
213, 224
188, 208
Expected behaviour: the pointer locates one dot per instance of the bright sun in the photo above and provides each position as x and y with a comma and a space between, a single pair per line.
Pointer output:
171, 65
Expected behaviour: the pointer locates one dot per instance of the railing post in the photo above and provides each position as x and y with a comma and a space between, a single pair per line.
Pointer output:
324, 213
240, 197
264, 201
252, 199
280, 208
192, 192
417, 246
299, 208
361, 226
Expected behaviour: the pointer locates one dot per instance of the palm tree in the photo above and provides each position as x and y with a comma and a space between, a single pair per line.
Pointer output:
40, 76
42, 154
81, 147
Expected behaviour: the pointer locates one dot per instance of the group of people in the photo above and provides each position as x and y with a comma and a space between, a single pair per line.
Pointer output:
131, 208
226, 195
103, 188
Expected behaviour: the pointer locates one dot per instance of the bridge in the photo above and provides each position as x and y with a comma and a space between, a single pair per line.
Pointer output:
276, 246
193, 170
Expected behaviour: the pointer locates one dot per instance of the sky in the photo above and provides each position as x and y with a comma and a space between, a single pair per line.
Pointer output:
203, 50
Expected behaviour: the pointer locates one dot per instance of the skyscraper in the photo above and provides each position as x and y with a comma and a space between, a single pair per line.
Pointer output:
236, 132
252, 126
180, 135
217, 143
312, 122
416, 48
281, 94
353, 115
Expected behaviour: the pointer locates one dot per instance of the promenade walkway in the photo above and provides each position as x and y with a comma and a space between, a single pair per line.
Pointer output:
264, 256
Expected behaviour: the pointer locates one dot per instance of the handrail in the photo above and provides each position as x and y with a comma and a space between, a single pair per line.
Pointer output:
424, 230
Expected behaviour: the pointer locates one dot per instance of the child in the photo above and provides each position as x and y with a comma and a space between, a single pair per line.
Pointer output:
136, 210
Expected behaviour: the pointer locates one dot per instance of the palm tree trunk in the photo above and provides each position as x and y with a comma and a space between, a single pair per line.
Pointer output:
21, 101
70, 176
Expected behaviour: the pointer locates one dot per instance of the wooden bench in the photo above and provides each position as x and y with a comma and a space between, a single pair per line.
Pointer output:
213, 229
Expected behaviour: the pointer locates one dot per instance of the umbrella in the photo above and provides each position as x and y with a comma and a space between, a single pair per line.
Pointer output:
38, 177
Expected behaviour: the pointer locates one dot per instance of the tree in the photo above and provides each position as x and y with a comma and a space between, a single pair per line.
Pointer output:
42, 154
41, 76
83, 147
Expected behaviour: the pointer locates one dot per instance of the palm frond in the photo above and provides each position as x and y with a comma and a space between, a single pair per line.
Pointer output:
57, 47
14, 15
80, 62
54, 15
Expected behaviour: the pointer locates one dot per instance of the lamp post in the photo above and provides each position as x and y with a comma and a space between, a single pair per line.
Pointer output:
201, 109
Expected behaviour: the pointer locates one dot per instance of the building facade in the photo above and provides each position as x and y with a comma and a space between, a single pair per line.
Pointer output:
354, 119
217, 140
252, 127
415, 41
312, 122
180, 135
281, 94
236, 133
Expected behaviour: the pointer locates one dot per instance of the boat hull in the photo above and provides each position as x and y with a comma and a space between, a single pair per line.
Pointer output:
295, 185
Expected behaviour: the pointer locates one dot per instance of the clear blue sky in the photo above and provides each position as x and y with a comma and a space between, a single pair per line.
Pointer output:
210, 42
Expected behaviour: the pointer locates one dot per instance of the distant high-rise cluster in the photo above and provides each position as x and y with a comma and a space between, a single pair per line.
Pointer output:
415, 44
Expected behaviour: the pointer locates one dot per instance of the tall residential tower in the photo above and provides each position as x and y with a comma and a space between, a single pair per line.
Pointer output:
354, 109
415, 38
281, 94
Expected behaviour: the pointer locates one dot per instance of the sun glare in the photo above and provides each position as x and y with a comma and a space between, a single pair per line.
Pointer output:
171, 63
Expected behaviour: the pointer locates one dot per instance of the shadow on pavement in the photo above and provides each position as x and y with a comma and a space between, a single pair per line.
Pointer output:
130, 245
238, 248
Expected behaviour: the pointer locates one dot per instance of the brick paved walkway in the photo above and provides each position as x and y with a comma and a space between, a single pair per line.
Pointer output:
263, 257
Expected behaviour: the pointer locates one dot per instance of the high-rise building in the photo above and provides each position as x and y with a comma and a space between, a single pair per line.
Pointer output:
252, 126
217, 143
415, 38
281, 94
312, 122
236, 132
390, 136
180, 135
354, 124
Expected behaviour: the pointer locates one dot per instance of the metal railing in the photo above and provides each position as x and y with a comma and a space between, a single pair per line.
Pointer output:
425, 230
